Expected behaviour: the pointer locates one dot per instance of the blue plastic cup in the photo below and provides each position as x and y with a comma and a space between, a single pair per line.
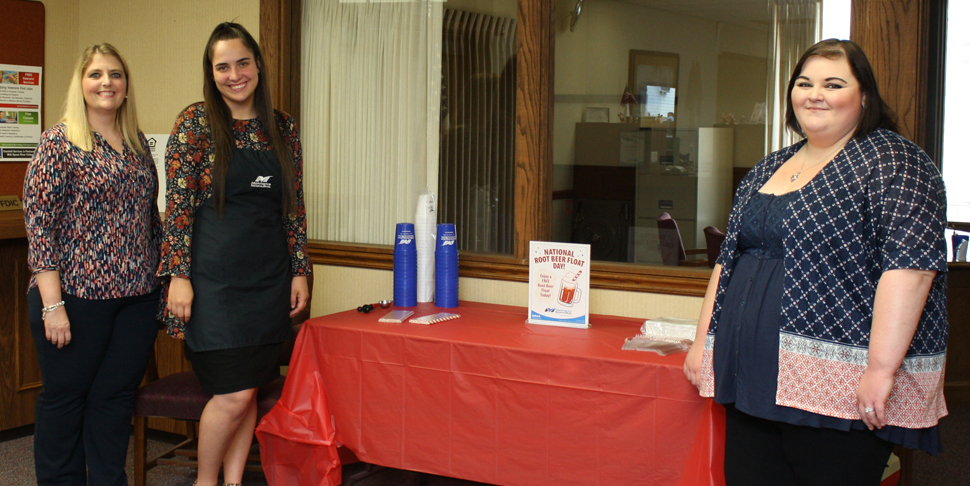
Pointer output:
405, 266
446, 267
956, 239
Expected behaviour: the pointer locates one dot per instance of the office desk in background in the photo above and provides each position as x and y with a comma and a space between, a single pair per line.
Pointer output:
489, 398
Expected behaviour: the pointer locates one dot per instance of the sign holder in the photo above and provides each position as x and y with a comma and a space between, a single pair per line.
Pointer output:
559, 284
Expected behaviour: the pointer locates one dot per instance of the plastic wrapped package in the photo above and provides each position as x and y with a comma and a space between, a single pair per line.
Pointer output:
669, 328
664, 335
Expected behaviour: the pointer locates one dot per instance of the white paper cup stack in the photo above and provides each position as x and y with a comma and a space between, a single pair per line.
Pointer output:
425, 225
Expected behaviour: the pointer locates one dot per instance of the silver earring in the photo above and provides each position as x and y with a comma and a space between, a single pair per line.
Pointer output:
863, 104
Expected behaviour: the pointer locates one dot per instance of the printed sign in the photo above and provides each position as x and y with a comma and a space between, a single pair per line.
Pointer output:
11, 203
20, 105
559, 284
156, 145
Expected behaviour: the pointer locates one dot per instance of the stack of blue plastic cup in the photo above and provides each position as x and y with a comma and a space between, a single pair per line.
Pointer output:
405, 266
446, 267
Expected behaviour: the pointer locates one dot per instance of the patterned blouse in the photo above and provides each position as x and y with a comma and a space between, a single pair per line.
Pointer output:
93, 217
879, 205
188, 161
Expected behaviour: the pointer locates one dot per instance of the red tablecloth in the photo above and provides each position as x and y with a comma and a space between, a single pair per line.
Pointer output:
489, 398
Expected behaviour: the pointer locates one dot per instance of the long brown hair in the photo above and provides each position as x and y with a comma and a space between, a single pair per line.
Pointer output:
220, 118
875, 112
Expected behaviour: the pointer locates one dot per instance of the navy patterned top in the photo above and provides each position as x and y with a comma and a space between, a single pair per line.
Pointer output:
746, 357
878, 205
92, 216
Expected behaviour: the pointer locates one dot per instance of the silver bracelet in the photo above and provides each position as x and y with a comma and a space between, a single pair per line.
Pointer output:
45, 310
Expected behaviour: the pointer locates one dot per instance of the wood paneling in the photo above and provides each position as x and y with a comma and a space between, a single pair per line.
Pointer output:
957, 391
12, 224
279, 41
20, 380
894, 34
533, 134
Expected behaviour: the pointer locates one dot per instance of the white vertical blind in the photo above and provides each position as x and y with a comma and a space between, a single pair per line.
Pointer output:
371, 83
477, 168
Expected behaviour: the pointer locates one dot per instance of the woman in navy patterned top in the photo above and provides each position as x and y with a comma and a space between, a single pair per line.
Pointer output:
235, 243
94, 235
824, 327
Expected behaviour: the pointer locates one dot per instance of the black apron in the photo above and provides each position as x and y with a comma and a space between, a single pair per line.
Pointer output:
241, 272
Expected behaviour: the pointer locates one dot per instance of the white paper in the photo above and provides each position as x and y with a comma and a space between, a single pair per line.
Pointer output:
559, 284
669, 328
156, 145
631, 148
20, 112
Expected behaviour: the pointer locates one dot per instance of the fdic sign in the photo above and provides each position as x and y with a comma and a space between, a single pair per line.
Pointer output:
10, 203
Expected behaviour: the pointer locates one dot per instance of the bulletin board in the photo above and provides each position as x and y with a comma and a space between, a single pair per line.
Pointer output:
22, 43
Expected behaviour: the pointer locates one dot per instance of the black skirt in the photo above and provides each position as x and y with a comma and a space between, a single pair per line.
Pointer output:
225, 371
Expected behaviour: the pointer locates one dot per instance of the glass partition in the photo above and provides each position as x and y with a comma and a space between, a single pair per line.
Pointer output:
407, 97
660, 109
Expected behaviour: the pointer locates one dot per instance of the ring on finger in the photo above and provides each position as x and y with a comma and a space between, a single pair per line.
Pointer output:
870, 410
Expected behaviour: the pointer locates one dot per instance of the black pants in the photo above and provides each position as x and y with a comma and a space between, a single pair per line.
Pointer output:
84, 410
764, 452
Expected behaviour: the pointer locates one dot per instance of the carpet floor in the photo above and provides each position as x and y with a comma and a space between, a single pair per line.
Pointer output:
950, 468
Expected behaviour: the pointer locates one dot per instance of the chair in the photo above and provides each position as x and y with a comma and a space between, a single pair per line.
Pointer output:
179, 396
714, 238
672, 250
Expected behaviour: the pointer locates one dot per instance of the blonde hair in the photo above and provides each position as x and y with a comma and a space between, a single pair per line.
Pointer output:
75, 116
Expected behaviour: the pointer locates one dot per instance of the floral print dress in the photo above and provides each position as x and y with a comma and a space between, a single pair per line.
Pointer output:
189, 157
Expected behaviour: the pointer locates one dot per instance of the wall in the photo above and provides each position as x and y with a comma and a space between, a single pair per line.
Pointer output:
60, 53
162, 43
337, 289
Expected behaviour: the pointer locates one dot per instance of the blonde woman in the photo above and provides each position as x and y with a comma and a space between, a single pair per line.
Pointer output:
94, 235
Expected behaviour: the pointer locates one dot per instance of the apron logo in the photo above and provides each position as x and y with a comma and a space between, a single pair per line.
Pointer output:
261, 182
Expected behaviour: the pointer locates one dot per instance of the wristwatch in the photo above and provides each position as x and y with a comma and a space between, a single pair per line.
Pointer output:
50, 308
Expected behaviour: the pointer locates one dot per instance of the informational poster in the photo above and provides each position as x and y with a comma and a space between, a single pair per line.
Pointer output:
20, 124
559, 284
156, 144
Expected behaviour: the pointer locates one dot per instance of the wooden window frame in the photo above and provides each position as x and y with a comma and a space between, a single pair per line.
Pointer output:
898, 57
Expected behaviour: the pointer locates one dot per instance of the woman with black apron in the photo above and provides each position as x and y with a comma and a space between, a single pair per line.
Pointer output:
235, 245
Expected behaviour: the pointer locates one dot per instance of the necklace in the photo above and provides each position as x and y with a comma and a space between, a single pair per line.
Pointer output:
827, 155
